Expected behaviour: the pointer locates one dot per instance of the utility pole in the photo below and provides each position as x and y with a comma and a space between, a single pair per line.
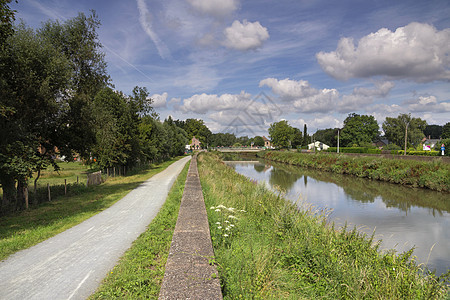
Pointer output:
406, 135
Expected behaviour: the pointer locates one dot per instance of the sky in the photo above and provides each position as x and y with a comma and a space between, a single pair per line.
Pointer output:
241, 65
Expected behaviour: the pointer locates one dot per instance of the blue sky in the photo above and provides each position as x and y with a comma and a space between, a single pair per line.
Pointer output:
242, 65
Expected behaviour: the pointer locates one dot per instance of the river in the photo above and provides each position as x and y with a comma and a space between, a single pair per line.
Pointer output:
402, 217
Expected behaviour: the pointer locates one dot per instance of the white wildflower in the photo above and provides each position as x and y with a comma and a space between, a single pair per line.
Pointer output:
228, 228
217, 210
212, 207
232, 217
225, 235
226, 221
218, 223
231, 225
231, 209
219, 227
221, 206
242, 210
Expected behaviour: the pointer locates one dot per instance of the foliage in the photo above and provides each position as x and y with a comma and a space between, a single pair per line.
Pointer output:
222, 139
433, 131
434, 174
327, 136
446, 143
358, 129
281, 134
296, 138
140, 271
394, 129
446, 131
281, 249
258, 141
197, 128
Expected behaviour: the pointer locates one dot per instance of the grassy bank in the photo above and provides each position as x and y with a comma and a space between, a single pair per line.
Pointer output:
140, 272
434, 175
24, 229
266, 248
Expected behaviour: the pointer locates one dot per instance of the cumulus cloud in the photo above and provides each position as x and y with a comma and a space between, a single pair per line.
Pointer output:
216, 8
159, 100
417, 52
428, 104
245, 36
145, 19
310, 100
204, 103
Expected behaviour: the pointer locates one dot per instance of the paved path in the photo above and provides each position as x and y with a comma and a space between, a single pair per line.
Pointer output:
72, 264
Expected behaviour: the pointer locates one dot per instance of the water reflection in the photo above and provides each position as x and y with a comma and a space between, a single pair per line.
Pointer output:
403, 217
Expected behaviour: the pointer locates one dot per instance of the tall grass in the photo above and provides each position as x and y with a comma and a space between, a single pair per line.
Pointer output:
278, 249
434, 174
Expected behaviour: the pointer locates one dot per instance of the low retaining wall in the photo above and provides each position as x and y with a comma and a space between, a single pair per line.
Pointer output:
190, 273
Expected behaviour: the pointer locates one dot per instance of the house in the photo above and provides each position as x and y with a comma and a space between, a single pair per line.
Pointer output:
195, 143
429, 144
381, 143
318, 145
267, 142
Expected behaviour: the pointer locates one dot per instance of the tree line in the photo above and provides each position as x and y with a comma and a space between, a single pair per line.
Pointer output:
57, 100
363, 131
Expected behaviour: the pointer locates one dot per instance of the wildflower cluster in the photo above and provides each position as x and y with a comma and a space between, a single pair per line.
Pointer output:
225, 226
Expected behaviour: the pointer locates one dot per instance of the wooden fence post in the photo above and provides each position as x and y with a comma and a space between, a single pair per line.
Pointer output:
49, 194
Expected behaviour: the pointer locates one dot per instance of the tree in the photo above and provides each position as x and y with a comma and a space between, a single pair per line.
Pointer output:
281, 133
258, 141
446, 131
394, 129
197, 128
359, 130
34, 100
327, 136
305, 135
433, 131
296, 138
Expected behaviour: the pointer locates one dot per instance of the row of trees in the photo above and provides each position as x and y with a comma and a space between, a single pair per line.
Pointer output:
56, 99
361, 130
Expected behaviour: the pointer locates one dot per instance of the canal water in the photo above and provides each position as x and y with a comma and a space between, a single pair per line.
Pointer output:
402, 217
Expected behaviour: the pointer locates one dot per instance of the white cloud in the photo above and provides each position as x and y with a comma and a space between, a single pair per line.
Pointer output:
417, 52
245, 36
428, 104
310, 100
159, 101
289, 89
216, 8
204, 103
145, 19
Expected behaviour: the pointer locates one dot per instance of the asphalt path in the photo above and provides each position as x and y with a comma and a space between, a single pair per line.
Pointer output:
72, 264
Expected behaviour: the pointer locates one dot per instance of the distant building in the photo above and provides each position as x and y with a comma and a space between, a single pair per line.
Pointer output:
429, 144
195, 144
267, 142
319, 146
381, 143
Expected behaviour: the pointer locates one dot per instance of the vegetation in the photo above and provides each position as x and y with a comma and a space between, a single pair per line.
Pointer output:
446, 131
327, 136
394, 129
434, 174
284, 135
358, 130
24, 229
272, 249
57, 101
140, 272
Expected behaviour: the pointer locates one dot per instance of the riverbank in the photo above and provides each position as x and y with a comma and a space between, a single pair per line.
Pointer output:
266, 248
433, 175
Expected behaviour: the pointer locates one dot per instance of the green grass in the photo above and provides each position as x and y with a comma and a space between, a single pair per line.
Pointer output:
68, 171
433, 175
24, 229
276, 250
140, 272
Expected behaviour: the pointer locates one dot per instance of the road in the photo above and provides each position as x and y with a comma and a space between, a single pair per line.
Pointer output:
72, 264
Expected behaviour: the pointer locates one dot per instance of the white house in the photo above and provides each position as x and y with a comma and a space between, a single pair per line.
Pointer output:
319, 146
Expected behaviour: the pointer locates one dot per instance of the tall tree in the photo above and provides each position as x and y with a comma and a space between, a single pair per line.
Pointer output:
394, 129
281, 133
296, 138
34, 96
305, 135
258, 141
359, 130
